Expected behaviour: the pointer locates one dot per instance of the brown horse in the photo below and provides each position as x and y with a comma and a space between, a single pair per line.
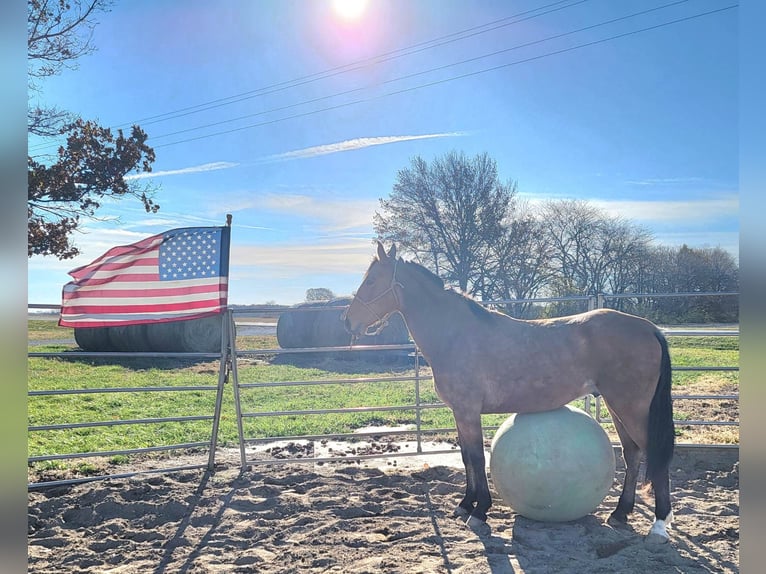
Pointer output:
487, 362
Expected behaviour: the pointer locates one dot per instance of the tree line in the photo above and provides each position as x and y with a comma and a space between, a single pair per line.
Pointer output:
459, 219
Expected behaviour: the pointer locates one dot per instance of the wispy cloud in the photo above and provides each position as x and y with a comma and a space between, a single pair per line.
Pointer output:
327, 213
185, 170
653, 181
286, 260
354, 144
688, 212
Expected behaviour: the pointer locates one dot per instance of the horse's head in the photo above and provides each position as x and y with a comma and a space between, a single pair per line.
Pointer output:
376, 298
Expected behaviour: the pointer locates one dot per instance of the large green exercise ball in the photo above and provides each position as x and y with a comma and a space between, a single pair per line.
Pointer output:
552, 466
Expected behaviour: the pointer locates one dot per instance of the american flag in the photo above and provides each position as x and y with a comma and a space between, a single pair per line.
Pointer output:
179, 274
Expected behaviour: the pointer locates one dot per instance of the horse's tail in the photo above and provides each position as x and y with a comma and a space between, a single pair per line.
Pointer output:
661, 429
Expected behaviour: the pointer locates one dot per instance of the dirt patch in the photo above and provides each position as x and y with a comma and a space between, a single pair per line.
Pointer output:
355, 517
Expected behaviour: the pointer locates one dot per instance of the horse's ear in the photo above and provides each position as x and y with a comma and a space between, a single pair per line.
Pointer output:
381, 252
392, 251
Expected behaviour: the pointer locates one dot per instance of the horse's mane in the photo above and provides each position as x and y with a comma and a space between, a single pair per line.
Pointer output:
430, 277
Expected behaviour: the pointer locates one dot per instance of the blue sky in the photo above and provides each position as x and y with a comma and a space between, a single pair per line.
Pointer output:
296, 119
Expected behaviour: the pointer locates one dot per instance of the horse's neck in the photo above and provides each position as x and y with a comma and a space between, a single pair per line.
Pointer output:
428, 309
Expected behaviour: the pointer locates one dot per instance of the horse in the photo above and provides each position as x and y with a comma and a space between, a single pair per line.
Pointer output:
484, 361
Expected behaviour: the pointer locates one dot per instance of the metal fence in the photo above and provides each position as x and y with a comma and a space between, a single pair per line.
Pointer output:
224, 367
230, 356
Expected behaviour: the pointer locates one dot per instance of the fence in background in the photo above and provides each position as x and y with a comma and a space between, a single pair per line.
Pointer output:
228, 365
224, 366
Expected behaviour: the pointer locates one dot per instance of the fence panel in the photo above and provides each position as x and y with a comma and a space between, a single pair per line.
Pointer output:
229, 359
224, 361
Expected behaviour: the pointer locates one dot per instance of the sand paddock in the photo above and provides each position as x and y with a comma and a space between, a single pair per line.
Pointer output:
366, 517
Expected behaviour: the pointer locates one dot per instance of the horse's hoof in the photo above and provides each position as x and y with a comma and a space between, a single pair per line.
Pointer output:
655, 539
461, 513
617, 520
658, 534
478, 526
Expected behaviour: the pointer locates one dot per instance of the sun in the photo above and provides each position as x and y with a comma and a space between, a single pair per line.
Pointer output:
349, 9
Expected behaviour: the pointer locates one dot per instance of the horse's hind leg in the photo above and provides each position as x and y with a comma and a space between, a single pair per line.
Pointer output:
632, 455
465, 508
477, 498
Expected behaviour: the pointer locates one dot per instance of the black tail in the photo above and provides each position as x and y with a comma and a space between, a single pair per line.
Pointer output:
661, 429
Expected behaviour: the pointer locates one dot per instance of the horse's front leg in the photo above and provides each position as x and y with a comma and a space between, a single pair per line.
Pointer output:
474, 506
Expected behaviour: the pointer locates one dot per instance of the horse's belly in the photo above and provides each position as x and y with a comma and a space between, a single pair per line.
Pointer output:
533, 396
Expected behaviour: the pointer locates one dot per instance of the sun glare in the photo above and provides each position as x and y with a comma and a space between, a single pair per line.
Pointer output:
349, 9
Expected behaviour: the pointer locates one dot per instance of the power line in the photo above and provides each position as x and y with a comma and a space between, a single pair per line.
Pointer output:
430, 84
361, 64
423, 72
346, 68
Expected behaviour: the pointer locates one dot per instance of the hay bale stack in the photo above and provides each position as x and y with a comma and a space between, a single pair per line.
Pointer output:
186, 336
166, 337
295, 327
129, 338
94, 339
320, 324
328, 329
202, 335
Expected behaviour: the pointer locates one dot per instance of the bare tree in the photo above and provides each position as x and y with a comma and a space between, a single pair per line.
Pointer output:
573, 228
520, 262
448, 214
594, 252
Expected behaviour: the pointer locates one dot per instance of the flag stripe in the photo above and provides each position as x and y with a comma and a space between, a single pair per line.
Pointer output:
148, 262
96, 295
125, 278
179, 274
158, 308
146, 285
119, 320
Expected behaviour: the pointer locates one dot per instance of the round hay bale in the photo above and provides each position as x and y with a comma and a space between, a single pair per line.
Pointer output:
95, 339
129, 338
328, 329
165, 337
552, 466
295, 326
202, 335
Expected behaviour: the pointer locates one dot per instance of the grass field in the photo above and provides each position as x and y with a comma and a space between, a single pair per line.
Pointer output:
80, 373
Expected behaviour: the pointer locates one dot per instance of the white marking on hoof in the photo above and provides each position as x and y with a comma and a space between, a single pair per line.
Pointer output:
659, 534
478, 526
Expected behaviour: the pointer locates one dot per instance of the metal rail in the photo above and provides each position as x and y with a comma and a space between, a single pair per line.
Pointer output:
229, 359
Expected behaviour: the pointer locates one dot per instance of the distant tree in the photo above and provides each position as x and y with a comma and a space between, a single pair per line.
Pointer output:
319, 294
593, 252
707, 270
520, 263
70, 185
448, 214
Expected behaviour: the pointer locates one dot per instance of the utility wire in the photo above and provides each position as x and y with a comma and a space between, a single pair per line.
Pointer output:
361, 64
346, 68
434, 83
415, 74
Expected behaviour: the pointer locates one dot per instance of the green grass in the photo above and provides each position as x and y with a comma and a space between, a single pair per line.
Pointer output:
78, 373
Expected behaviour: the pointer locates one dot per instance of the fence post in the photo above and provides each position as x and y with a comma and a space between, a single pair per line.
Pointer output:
417, 398
237, 402
223, 375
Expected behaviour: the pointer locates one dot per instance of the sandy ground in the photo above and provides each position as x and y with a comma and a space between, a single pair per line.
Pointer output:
366, 517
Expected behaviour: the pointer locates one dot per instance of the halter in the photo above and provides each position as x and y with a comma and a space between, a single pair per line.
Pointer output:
382, 322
